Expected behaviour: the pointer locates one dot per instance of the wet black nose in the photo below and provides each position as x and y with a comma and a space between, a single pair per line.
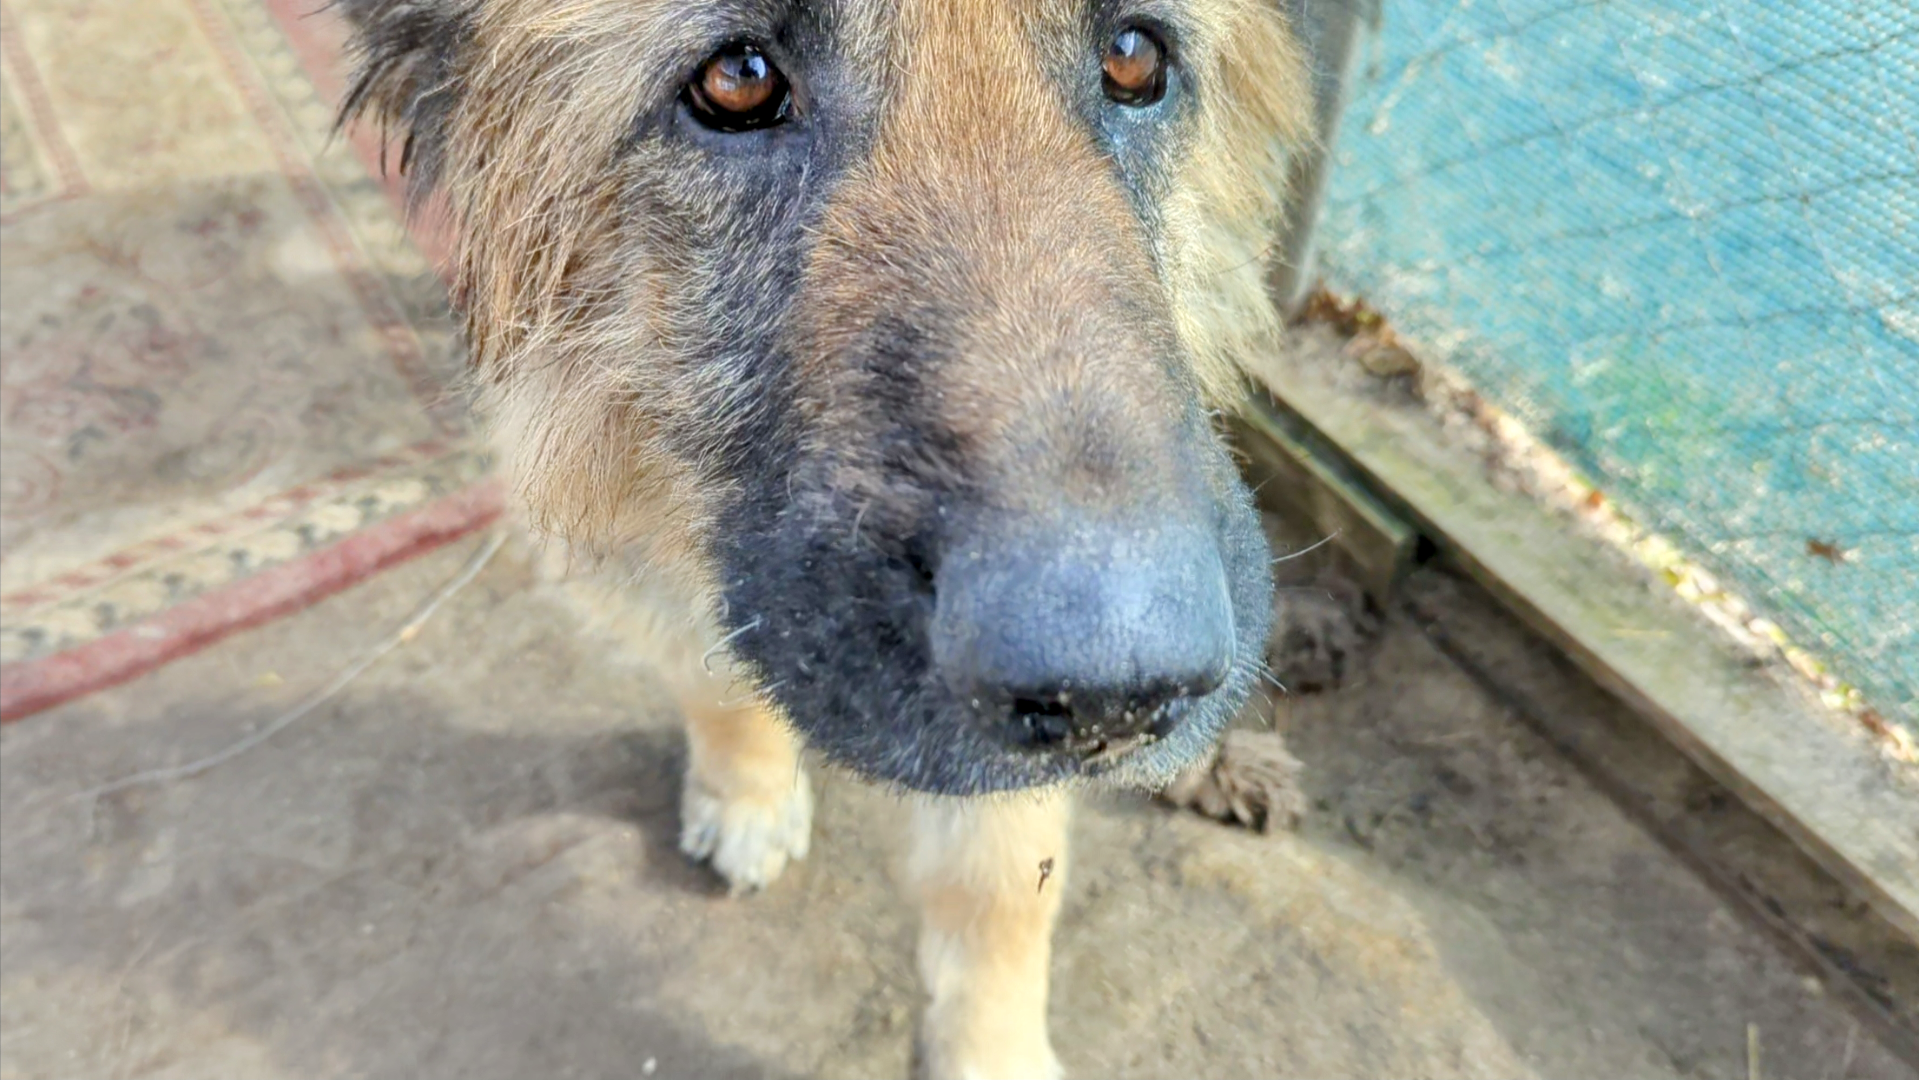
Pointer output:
1086, 637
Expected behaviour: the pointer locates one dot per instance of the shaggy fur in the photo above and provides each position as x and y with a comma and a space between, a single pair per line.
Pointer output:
791, 375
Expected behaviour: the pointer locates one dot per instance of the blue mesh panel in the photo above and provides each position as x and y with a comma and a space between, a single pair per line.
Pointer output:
1680, 240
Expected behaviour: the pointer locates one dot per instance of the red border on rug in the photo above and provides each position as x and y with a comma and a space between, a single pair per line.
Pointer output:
31, 686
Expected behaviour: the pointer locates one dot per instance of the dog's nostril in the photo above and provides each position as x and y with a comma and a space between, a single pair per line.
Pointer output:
921, 566
1045, 720
1090, 720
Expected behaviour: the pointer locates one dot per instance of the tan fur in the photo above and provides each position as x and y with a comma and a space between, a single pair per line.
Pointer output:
556, 314
988, 874
1234, 190
983, 187
746, 807
978, 156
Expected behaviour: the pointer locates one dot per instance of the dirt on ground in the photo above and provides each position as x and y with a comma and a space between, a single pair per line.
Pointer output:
464, 864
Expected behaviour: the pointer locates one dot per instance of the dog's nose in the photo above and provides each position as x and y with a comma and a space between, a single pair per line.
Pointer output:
1087, 637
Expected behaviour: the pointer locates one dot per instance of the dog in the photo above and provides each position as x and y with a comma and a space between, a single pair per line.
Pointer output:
891, 340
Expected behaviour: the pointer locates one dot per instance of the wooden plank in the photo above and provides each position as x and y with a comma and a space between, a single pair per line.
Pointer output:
1291, 468
1824, 786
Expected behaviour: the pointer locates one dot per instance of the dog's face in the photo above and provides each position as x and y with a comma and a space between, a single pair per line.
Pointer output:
896, 328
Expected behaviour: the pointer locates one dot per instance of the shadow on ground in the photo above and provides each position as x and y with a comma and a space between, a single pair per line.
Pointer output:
465, 866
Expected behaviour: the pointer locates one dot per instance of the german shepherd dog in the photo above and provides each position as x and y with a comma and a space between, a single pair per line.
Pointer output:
892, 338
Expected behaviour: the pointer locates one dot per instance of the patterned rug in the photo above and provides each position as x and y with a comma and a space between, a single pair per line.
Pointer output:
226, 367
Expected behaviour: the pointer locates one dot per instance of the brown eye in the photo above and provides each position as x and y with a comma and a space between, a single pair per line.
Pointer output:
738, 89
1134, 68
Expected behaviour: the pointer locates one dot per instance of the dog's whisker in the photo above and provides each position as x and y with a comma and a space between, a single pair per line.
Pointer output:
1265, 671
1308, 549
706, 657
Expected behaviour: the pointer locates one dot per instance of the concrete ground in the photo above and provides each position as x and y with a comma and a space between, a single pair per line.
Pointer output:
224, 361
464, 865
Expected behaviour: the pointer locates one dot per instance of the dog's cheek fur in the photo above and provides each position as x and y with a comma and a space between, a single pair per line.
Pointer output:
1223, 215
623, 295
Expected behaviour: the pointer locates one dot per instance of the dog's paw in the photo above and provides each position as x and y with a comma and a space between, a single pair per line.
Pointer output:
748, 841
1006, 1061
1251, 779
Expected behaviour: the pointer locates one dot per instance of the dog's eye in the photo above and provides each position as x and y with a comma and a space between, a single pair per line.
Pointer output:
1134, 68
738, 89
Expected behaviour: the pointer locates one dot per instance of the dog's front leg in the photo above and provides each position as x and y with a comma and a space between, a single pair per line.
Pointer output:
988, 873
746, 808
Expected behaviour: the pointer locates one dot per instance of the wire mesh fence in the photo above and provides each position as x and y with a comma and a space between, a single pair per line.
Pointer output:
1680, 240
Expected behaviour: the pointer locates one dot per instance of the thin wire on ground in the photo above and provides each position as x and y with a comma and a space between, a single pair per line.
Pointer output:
407, 631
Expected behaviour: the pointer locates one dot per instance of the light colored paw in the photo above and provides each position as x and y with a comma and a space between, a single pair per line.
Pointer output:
1033, 1062
748, 841
1251, 779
